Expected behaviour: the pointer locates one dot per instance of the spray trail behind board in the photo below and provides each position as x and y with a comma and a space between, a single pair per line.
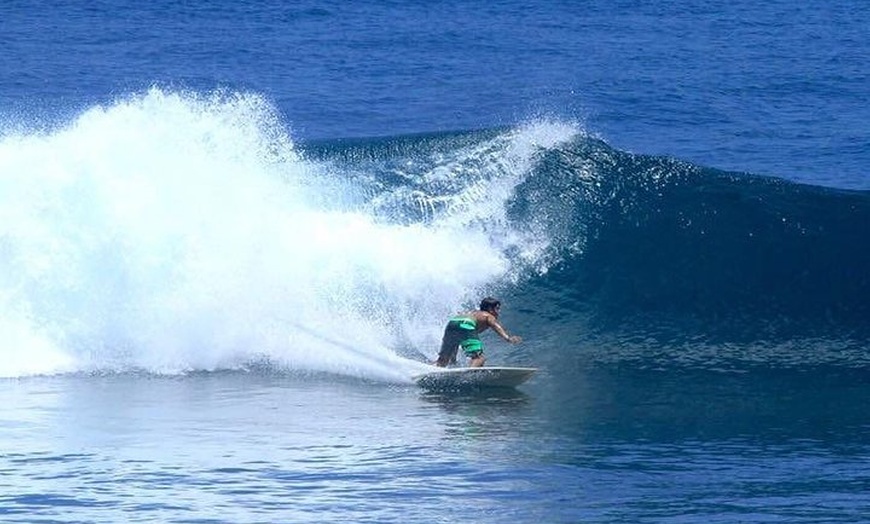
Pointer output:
173, 232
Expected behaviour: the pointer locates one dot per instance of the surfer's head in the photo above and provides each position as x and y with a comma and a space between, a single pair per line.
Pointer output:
490, 305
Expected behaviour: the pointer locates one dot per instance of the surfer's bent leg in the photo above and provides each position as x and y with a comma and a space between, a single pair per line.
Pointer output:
449, 346
459, 331
473, 349
477, 359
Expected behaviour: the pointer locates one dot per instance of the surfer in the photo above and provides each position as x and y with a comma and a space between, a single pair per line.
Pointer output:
464, 329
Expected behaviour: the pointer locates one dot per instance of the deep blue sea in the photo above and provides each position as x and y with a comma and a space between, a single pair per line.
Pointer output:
231, 232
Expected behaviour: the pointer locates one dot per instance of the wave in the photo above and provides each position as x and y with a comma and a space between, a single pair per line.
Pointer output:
171, 232
614, 255
660, 261
742, 255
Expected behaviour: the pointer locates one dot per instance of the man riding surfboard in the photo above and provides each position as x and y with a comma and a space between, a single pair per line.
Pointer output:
463, 330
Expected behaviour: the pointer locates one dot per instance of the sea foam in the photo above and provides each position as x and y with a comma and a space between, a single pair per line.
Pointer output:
170, 232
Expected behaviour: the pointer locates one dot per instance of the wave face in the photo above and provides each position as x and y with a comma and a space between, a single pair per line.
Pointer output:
732, 255
657, 259
173, 232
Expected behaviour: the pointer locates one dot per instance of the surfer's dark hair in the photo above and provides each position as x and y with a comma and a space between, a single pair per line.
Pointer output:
489, 304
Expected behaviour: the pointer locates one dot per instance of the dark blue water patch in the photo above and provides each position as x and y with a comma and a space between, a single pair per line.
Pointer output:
45, 457
156, 506
232, 471
764, 408
33, 501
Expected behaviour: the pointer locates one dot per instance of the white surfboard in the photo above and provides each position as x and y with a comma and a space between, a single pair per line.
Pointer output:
489, 377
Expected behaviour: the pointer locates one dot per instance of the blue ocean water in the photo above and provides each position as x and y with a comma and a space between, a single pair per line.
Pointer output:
230, 233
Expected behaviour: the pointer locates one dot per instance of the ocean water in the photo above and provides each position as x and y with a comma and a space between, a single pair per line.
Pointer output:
230, 234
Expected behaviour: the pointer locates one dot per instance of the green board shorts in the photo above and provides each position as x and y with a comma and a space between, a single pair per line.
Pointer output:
472, 347
460, 332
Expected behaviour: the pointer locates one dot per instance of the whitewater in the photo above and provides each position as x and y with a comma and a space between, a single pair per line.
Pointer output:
171, 232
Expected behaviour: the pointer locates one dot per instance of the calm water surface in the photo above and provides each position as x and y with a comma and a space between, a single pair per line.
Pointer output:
241, 448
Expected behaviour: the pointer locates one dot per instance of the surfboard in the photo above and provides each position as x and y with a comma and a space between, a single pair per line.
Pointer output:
482, 377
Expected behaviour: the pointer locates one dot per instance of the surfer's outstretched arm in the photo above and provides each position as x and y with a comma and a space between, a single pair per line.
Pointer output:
500, 330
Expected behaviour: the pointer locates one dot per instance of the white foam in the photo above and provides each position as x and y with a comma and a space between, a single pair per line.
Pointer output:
171, 232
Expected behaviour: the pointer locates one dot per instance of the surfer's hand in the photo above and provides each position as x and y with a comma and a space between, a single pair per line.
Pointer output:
513, 339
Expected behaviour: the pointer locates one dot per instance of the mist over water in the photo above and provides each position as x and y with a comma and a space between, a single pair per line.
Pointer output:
171, 232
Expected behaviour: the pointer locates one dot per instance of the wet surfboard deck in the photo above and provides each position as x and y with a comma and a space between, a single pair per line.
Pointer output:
482, 377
